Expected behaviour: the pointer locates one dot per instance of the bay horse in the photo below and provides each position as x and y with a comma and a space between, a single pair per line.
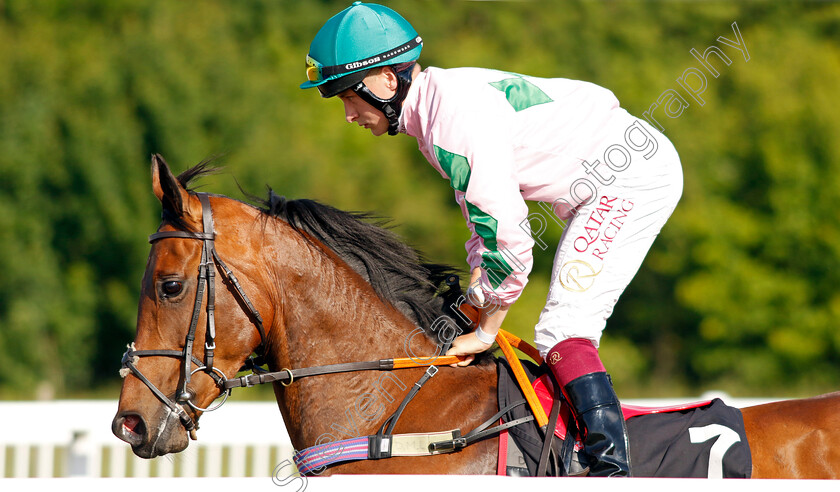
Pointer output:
307, 285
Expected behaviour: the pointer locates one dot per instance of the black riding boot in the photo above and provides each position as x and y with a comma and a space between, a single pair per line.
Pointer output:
598, 412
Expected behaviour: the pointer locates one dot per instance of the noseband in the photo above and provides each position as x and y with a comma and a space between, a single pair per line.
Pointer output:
206, 279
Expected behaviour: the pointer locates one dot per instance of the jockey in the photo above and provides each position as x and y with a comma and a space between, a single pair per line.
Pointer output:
610, 180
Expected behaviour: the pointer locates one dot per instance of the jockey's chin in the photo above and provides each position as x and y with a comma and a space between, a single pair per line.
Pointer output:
379, 129
373, 120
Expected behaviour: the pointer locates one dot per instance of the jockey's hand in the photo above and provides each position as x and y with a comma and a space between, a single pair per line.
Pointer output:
468, 345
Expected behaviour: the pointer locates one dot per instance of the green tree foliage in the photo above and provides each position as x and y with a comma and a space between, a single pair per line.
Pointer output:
738, 293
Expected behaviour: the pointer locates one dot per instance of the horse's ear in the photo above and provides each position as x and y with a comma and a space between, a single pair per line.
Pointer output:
169, 191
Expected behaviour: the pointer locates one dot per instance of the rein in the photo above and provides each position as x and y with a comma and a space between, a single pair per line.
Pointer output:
287, 376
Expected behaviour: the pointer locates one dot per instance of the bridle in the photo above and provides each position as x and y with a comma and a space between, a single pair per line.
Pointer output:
210, 260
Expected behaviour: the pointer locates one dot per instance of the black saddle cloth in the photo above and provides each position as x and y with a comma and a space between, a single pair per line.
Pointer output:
703, 442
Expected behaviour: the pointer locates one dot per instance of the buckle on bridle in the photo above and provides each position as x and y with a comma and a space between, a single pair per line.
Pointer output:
224, 395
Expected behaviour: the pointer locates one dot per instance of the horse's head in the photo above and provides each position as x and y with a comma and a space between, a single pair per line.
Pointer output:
195, 325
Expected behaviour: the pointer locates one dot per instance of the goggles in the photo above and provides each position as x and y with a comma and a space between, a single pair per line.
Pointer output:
313, 70
317, 72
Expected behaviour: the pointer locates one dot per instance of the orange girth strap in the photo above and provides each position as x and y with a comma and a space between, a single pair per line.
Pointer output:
506, 342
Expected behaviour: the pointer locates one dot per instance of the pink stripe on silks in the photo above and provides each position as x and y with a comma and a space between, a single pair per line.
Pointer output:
573, 358
329, 453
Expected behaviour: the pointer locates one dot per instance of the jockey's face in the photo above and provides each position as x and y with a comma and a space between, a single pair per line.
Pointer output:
383, 83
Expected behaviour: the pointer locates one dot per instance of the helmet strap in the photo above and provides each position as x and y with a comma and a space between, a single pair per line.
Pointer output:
392, 107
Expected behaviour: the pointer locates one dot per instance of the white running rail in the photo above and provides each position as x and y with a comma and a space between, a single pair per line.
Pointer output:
72, 438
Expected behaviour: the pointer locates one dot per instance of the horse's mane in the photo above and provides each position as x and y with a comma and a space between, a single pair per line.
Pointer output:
396, 271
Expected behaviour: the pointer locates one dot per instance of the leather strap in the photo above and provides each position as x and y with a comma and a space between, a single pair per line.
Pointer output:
289, 375
203, 236
185, 419
210, 279
522, 379
482, 430
391, 421
522, 345
169, 353
257, 319
542, 467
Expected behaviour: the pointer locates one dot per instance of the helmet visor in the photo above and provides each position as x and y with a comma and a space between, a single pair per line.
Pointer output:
334, 87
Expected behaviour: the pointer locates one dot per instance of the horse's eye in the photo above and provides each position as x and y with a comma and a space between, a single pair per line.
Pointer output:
171, 288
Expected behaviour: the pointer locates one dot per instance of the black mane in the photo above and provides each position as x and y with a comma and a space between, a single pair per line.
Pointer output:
396, 271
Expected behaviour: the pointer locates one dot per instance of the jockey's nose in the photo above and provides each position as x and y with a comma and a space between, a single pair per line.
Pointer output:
350, 114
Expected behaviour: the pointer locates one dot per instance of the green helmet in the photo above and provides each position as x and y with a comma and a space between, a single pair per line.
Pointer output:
358, 38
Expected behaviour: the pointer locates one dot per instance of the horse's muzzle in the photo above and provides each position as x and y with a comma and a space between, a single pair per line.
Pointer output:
165, 436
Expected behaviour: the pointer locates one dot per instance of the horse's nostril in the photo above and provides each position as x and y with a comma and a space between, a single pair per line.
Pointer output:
134, 425
130, 429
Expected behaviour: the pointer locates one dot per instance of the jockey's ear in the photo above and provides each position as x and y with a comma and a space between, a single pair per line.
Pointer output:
172, 195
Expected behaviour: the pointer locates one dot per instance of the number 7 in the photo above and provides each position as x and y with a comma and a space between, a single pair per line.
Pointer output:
728, 437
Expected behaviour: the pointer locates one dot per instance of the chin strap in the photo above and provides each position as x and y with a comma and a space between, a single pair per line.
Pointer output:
392, 107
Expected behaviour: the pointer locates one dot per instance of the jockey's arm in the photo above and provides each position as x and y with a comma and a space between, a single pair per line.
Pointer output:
469, 344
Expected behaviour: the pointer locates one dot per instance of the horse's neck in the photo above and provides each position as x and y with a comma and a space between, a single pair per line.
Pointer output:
331, 315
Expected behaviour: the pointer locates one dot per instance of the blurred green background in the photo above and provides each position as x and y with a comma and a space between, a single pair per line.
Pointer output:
740, 292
